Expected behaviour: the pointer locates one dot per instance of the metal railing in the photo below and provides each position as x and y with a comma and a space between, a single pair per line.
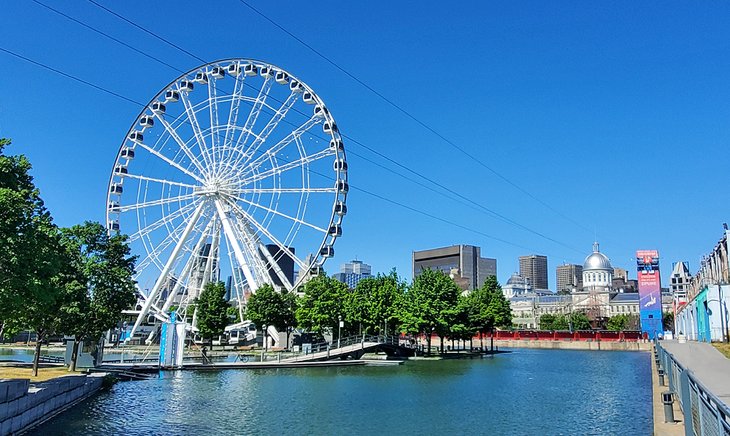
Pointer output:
704, 413
346, 345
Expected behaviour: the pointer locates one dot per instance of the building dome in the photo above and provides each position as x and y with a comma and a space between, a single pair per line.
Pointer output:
597, 261
516, 279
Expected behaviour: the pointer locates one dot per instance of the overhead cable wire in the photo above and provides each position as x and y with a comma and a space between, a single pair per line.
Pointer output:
413, 117
469, 202
352, 187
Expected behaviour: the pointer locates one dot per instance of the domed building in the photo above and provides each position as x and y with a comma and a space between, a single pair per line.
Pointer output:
516, 286
597, 271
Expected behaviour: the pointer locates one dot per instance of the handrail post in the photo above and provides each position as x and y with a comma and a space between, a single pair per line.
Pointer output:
686, 404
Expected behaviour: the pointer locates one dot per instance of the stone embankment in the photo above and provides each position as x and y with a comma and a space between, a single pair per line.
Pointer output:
576, 345
24, 405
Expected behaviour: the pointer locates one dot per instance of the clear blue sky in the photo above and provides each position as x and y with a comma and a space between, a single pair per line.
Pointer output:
617, 115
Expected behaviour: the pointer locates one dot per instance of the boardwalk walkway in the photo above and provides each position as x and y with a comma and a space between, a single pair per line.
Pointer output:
708, 365
699, 377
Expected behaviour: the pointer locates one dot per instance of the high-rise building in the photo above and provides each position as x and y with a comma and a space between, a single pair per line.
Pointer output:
352, 272
279, 264
568, 277
680, 278
462, 262
534, 269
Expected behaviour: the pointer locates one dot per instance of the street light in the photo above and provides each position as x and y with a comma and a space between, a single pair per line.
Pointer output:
339, 329
266, 342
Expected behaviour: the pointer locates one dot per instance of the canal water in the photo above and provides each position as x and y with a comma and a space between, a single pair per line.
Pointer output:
526, 392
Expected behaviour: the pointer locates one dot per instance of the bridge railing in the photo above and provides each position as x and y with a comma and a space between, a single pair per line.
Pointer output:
348, 344
704, 413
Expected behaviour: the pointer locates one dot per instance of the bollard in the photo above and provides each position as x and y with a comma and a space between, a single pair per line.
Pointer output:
668, 401
661, 377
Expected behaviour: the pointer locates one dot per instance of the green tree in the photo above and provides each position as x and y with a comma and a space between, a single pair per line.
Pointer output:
322, 304
268, 307
102, 285
580, 321
373, 305
547, 321
31, 256
430, 305
668, 321
212, 311
618, 322
488, 308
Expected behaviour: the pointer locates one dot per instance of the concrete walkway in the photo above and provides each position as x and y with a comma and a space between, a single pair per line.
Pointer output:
707, 364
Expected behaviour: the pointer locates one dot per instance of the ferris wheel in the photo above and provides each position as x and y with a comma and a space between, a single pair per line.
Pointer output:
234, 171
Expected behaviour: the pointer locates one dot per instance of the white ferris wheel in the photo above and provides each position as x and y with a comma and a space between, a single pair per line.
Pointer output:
234, 171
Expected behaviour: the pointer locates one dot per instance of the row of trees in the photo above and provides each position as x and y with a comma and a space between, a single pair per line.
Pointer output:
385, 304
73, 281
579, 321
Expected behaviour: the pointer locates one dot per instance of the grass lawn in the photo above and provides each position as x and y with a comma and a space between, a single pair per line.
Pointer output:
723, 347
43, 373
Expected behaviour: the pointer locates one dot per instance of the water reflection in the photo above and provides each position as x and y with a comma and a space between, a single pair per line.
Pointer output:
526, 392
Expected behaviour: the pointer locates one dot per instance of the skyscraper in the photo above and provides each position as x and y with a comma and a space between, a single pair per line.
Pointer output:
463, 262
534, 269
352, 272
568, 277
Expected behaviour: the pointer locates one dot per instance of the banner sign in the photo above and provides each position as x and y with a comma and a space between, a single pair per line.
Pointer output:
650, 291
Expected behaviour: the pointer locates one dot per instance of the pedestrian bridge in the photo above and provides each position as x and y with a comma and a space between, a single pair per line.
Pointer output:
354, 347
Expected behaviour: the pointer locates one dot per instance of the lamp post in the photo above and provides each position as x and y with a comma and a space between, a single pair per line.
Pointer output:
339, 329
265, 336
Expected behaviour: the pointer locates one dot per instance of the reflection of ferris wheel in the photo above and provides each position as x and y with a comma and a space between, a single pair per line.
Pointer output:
235, 169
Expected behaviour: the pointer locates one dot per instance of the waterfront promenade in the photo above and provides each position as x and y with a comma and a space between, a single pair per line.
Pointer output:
699, 376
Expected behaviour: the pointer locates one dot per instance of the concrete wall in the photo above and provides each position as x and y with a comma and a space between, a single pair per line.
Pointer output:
575, 345
23, 405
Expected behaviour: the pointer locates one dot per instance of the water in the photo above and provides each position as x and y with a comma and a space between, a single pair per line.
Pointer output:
524, 393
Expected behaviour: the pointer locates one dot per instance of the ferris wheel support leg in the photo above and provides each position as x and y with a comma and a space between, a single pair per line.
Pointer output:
228, 230
275, 267
166, 270
186, 270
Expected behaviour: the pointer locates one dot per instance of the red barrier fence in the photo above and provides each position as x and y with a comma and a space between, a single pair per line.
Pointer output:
581, 335
560, 335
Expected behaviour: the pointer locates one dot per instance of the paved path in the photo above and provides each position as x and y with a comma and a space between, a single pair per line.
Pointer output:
709, 366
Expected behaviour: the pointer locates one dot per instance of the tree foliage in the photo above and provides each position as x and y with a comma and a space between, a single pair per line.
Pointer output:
269, 307
212, 310
32, 260
102, 285
487, 307
322, 304
622, 322
572, 321
373, 305
431, 304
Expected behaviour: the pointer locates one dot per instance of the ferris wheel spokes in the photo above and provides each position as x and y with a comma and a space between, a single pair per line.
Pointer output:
283, 215
158, 202
183, 146
161, 222
195, 126
283, 247
271, 125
